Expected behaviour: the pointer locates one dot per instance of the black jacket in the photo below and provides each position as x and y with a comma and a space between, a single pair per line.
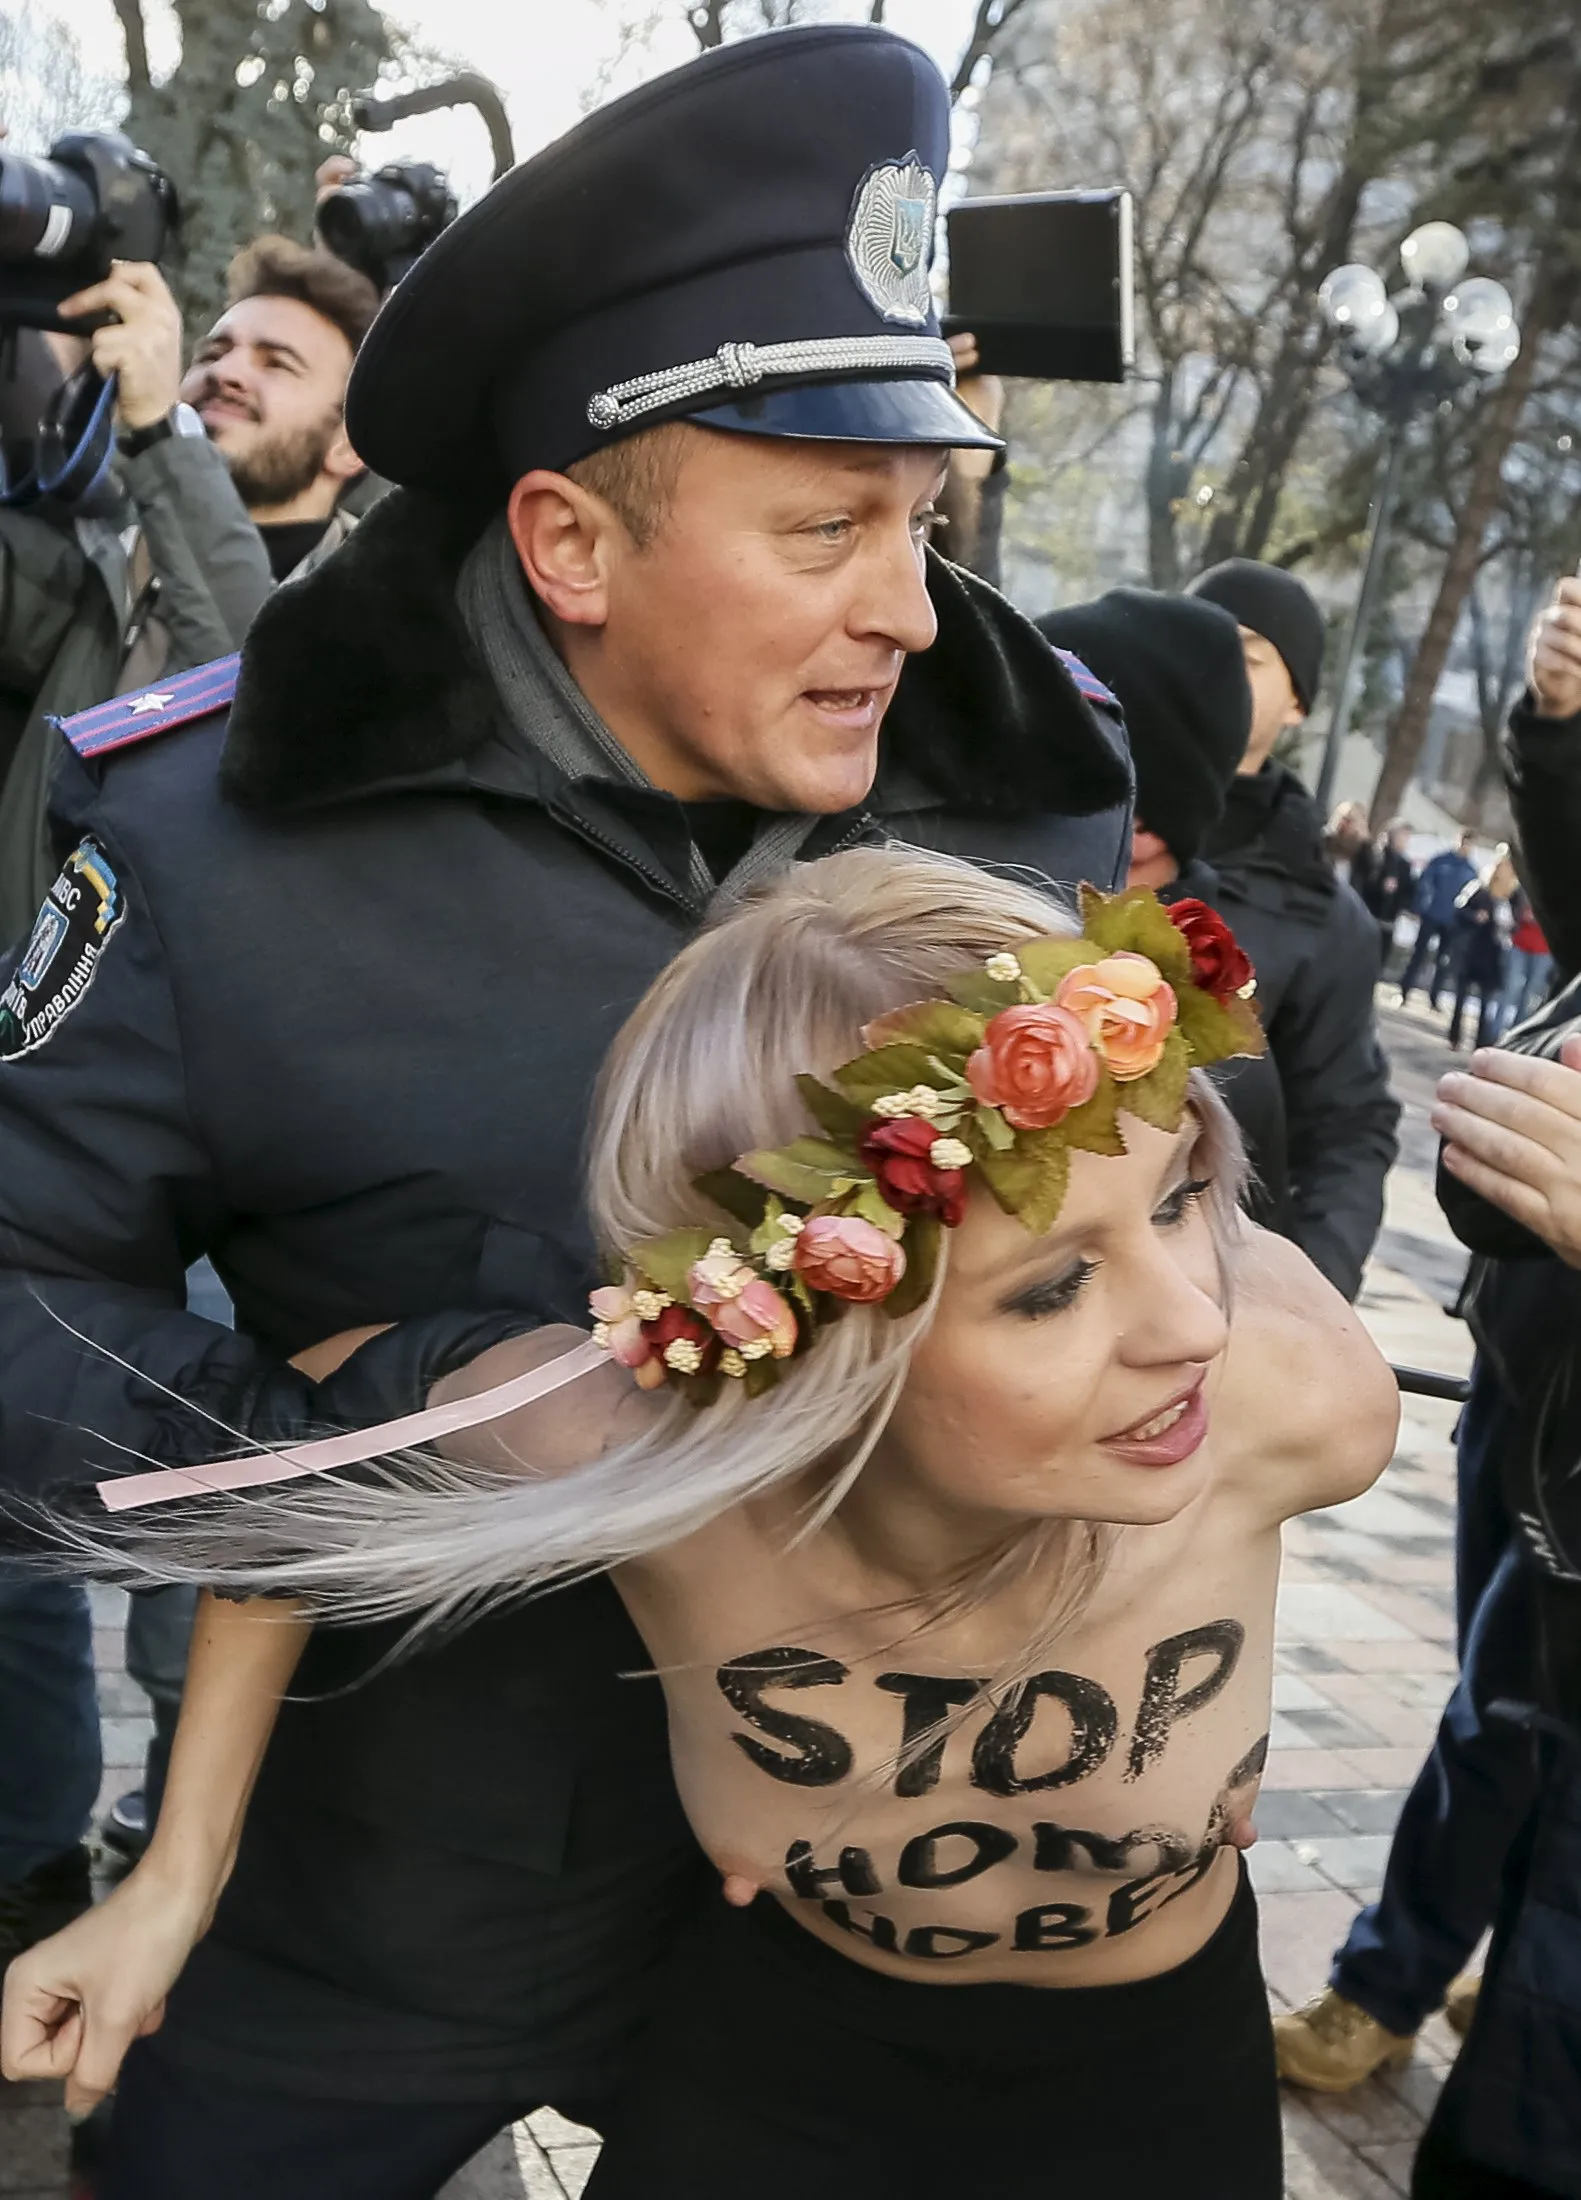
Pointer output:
1511, 2101
1385, 879
342, 1039
1315, 950
1483, 924
1251, 1084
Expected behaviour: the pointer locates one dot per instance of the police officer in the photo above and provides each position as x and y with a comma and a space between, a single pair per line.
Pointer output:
323, 988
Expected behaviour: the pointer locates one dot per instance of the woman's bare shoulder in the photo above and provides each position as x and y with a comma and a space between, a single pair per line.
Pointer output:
1307, 1410
565, 1428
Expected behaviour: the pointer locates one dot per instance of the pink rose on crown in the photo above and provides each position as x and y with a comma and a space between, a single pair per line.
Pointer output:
618, 1327
849, 1258
1035, 1064
739, 1305
1127, 1009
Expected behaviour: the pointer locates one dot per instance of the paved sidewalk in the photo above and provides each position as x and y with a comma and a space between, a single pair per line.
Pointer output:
1364, 1662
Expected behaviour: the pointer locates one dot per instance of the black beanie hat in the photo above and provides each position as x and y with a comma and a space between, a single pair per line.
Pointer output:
1179, 672
1276, 605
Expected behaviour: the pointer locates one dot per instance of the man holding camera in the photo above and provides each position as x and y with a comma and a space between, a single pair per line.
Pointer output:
262, 403
84, 615
651, 616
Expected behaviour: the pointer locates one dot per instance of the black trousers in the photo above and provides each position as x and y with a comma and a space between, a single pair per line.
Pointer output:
1442, 2174
176, 2135
780, 2070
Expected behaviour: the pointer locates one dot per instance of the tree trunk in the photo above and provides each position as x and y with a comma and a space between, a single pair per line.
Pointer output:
1167, 477
1409, 729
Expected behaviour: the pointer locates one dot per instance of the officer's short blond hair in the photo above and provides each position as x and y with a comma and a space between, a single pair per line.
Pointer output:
636, 477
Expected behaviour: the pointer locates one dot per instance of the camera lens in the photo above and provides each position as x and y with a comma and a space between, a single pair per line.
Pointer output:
368, 220
47, 211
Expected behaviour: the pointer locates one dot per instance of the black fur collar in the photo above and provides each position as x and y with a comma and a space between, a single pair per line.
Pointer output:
361, 673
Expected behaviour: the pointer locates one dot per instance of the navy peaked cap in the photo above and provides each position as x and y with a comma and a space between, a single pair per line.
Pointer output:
745, 242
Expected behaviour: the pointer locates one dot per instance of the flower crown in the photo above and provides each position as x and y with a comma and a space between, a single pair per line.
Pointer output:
1029, 1060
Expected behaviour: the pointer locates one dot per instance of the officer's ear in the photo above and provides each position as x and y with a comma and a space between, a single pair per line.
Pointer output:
568, 540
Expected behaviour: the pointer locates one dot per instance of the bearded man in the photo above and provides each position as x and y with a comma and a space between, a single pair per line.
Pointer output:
269, 382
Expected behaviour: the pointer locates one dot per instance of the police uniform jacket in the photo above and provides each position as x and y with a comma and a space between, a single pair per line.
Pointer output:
334, 970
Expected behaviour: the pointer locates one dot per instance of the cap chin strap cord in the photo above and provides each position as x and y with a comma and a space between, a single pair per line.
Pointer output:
743, 366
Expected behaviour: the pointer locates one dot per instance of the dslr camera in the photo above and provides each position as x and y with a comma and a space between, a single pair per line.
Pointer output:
382, 223
94, 199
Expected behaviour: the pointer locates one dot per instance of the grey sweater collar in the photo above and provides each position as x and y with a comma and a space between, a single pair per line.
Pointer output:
549, 710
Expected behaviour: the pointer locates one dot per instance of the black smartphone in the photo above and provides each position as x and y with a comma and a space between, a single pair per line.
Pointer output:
1043, 280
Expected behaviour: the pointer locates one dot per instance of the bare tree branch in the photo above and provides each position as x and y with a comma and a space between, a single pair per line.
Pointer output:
708, 23
465, 90
133, 30
992, 20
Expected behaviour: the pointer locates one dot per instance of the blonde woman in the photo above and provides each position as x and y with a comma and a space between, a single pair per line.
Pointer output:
940, 1448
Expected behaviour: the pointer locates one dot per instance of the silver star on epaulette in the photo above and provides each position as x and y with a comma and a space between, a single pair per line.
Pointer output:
139, 705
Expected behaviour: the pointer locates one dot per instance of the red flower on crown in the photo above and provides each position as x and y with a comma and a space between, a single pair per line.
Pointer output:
683, 1341
1219, 964
899, 1155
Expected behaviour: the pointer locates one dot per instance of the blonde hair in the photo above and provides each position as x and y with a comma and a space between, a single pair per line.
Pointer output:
703, 1070
636, 477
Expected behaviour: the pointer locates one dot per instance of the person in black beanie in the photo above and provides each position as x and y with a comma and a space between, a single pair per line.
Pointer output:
1283, 638
1322, 1143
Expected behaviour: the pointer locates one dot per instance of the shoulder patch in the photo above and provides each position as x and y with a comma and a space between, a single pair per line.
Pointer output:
80, 914
1087, 680
125, 719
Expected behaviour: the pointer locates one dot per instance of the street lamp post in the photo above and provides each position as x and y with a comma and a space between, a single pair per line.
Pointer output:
1403, 353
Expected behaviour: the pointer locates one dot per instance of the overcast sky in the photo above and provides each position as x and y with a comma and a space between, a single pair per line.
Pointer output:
547, 56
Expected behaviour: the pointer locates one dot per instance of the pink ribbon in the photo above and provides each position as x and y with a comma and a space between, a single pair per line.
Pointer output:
125, 1492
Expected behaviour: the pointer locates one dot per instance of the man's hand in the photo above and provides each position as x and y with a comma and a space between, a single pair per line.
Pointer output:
330, 174
1513, 1132
142, 346
984, 393
1553, 654
75, 2003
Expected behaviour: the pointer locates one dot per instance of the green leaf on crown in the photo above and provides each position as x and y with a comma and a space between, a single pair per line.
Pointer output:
761, 1375
742, 1200
667, 1261
887, 1069
939, 1026
766, 1233
1030, 1181
984, 996
1046, 962
1094, 1127
832, 1111
869, 1202
1159, 1098
994, 1131
1136, 922
1214, 1029
808, 1170
922, 1260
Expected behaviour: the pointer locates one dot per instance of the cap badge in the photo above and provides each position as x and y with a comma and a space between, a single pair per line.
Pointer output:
889, 240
